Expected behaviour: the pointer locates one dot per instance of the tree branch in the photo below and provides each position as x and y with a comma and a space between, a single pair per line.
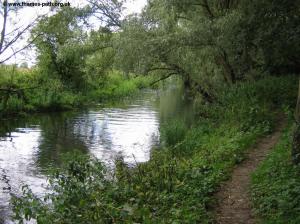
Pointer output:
110, 10
163, 78
206, 6
158, 68
14, 39
17, 90
18, 51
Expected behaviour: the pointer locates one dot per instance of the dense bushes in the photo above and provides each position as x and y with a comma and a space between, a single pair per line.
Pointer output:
173, 132
176, 185
23, 90
116, 86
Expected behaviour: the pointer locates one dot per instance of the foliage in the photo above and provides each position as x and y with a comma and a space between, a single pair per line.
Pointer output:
223, 51
176, 185
78, 187
60, 49
173, 132
30, 90
209, 43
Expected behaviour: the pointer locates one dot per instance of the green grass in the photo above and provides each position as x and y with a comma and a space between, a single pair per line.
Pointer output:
177, 184
173, 132
276, 185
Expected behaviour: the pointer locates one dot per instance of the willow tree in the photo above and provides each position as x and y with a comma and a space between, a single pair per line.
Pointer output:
59, 45
158, 43
204, 42
108, 12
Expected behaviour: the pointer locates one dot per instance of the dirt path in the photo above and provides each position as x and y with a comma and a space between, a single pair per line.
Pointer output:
234, 206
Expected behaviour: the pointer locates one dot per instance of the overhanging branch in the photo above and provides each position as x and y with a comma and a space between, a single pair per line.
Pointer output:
163, 78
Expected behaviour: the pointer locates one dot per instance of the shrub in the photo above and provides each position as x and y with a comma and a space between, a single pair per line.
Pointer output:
173, 132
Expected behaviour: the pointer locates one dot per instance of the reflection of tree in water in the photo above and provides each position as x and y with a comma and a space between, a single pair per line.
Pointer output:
8, 126
92, 130
4, 178
57, 139
172, 105
57, 135
63, 134
105, 137
2, 215
69, 131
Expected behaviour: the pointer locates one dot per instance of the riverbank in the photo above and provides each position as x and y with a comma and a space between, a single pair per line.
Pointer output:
178, 183
25, 90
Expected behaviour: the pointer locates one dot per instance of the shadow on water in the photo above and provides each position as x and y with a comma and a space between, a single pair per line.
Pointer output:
52, 135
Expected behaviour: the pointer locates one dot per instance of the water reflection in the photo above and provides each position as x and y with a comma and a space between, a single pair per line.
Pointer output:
17, 164
114, 131
30, 145
173, 104
57, 139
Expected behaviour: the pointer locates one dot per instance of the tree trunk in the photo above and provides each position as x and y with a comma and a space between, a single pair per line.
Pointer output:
229, 74
4, 13
187, 82
296, 134
191, 85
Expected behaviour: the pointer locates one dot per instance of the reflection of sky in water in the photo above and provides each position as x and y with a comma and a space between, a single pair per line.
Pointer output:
105, 133
125, 132
17, 163
33, 144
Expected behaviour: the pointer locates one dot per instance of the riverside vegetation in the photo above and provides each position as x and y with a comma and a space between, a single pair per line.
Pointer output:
177, 184
238, 60
275, 184
26, 90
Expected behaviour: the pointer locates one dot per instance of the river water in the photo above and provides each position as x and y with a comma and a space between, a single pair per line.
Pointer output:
30, 145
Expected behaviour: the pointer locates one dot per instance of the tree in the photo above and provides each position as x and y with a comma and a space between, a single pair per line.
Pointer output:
275, 36
169, 40
70, 51
60, 45
10, 39
108, 12
101, 58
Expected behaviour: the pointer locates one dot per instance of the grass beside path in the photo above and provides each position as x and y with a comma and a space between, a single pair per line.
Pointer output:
276, 185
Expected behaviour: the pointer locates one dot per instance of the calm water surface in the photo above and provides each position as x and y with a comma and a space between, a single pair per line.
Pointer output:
30, 146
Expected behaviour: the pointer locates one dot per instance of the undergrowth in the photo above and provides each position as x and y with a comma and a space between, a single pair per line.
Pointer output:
276, 185
27, 90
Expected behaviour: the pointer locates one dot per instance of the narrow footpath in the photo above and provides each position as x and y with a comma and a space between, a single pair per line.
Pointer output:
233, 199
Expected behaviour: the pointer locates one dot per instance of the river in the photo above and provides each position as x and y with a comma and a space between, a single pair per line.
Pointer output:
30, 145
